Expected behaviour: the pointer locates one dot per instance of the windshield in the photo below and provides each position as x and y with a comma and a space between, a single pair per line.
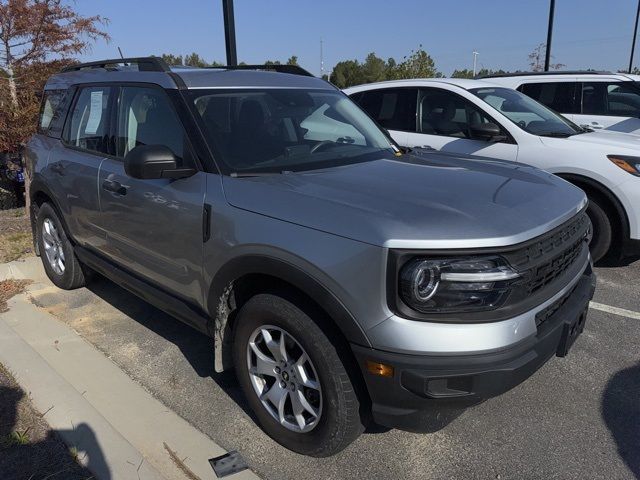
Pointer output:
274, 130
531, 116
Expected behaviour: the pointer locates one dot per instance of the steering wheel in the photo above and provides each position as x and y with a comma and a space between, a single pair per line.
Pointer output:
320, 145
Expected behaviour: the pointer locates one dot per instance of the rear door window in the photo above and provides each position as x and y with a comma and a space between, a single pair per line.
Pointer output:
559, 96
88, 124
392, 108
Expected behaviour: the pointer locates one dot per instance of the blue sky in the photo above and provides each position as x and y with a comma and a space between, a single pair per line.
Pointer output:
587, 34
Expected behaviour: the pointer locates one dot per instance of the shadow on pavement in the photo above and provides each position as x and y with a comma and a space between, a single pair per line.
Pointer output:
47, 458
198, 350
196, 347
621, 413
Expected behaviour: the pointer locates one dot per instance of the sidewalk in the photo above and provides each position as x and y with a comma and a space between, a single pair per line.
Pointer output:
120, 430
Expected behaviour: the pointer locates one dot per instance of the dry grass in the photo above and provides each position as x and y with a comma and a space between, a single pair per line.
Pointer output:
15, 235
10, 288
29, 449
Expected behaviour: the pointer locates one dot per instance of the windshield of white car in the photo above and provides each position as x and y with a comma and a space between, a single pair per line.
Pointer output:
279, 129
526, 113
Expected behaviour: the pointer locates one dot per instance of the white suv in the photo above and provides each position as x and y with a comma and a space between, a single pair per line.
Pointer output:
477, 117
609, 101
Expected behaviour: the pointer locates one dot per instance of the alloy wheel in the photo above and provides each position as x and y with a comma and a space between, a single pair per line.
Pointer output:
284, 378
53, 246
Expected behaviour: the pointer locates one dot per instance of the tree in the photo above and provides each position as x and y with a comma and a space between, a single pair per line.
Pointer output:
483, 72
417, 65
537, 57
171, 59
32, 32
346, 74
374, 69
293, 60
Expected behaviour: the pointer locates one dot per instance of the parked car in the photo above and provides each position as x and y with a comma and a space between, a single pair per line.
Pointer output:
485, 119
11, 180
596, 100
340, 278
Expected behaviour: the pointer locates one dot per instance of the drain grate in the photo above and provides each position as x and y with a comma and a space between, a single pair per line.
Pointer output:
228, 464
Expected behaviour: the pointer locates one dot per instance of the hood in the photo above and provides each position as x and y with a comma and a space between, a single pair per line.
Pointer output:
430, 201
605, 138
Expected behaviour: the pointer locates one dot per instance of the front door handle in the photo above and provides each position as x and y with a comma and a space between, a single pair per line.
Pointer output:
114, 187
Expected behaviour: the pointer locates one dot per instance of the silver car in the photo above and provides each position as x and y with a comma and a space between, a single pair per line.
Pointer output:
344, 280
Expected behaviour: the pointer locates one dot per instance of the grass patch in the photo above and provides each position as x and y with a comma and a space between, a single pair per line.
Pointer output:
15, 235
15, 246
10, 288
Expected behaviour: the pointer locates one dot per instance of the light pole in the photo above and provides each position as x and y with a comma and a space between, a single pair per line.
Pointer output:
547, 57
229, 32
475, 61
635, 32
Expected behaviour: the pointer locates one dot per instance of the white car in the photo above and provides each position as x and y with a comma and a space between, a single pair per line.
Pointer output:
595, 100
477, 117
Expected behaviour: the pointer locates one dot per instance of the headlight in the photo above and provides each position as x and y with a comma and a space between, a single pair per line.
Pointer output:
456, 285
628, 164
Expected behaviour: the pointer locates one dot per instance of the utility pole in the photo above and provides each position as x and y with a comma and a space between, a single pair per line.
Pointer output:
635, 32
475, 61
547, 57
322, 58
229, 32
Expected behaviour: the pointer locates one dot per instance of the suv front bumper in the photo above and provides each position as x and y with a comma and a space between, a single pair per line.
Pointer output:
424, 388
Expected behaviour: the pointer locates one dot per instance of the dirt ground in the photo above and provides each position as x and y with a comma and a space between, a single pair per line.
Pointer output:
15, 235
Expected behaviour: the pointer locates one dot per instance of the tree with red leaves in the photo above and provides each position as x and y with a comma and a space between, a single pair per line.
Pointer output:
37, 38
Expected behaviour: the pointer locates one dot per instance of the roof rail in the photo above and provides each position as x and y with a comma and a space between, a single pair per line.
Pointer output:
145, 64
292, 69
525, 74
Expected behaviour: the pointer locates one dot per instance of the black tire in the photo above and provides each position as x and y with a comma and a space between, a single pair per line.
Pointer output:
602, 230
73, 276
339, 423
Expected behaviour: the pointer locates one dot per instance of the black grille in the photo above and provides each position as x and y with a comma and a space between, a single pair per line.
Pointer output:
544, 314
546, 259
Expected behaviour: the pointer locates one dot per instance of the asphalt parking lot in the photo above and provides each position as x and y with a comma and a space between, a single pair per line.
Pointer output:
577, 417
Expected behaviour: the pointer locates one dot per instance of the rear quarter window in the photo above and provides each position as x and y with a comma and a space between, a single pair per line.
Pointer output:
51, 111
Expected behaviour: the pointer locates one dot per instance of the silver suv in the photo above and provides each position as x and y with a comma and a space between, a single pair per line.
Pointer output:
345, 281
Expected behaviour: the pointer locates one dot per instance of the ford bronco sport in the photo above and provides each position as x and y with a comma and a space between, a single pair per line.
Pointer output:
343, 280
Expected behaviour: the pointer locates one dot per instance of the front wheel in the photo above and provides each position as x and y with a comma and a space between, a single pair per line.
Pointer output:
602, 230
293, 378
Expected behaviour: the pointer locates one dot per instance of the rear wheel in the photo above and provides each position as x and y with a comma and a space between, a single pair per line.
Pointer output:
58, 258
293, 378
602, 229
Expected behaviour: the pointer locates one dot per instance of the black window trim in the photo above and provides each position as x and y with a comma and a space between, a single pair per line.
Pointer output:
509, 141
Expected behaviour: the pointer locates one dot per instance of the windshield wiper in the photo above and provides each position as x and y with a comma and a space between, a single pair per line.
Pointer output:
556, 134
254, 174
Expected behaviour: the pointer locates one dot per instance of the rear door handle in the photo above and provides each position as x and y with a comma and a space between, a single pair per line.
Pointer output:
58, 168
114, 187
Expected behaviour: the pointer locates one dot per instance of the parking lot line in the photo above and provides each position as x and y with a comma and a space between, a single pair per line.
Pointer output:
615, 310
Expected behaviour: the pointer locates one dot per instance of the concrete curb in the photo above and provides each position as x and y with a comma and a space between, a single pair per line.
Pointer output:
95, 406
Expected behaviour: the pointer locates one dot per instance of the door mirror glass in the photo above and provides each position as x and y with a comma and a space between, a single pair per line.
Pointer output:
154, 161
486, 131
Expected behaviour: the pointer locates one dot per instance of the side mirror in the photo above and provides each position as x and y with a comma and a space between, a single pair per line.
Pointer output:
154, 161
487, 131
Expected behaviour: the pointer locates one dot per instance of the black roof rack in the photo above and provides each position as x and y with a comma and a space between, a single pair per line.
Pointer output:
145, 64
292, 69
525, 74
